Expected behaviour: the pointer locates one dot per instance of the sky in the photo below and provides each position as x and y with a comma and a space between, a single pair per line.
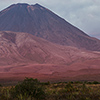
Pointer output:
84, 14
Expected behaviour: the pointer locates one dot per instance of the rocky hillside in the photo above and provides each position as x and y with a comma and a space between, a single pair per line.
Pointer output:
17, 47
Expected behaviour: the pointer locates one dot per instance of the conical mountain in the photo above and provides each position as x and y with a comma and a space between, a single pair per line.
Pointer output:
43, 23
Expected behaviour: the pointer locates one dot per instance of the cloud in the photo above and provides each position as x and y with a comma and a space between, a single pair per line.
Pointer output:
84, 14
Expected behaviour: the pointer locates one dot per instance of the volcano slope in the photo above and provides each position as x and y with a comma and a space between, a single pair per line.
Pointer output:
42, 22
24, 55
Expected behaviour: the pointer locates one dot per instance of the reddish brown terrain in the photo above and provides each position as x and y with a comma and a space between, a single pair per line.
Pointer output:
24, 55
35, 42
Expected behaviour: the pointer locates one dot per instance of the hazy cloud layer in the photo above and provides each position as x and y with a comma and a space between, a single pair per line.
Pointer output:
84, 14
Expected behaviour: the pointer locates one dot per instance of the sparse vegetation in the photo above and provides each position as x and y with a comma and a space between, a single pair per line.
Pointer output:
32, 89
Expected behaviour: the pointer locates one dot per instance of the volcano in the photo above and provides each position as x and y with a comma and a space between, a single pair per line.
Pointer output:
35, 42
41, 22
